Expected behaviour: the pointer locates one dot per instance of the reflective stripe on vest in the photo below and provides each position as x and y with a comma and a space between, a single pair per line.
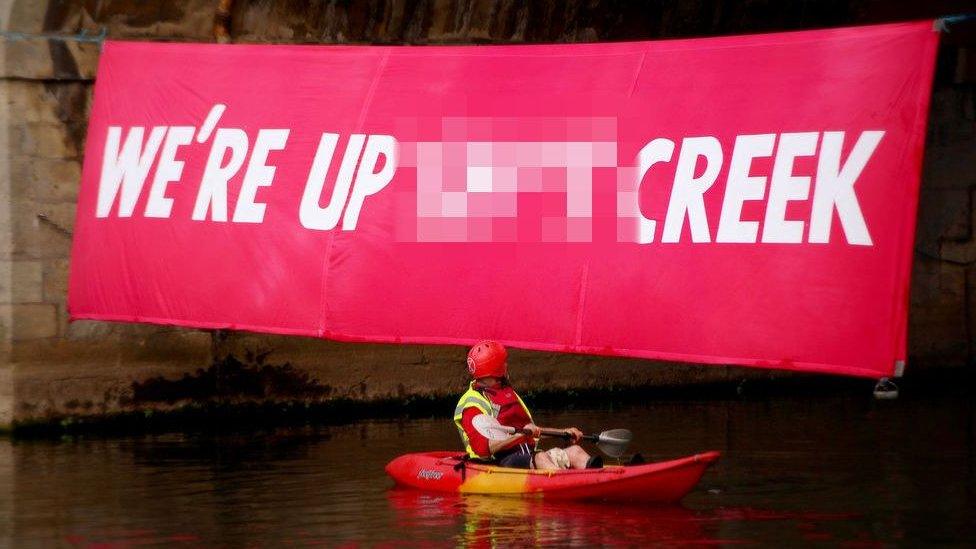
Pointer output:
470, 398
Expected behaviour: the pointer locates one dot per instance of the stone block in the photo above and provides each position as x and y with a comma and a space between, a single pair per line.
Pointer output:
951, 144
54, 180
168, 343
959, 252
29, 59
55, 280
6, 281
62, 311
85, 56
60, 217
83, 330
937, 331
20, 170
947, 215
46, 140
6, 399
30, 320
29, 102
32, 59
34, 239
20, 282
6, 230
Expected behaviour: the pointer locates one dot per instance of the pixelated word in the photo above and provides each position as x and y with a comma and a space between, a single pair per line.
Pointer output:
482, 181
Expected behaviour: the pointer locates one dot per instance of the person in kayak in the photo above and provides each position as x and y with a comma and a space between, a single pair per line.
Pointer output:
490, 393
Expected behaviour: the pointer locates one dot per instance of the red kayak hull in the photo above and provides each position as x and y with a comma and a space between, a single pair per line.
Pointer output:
662, 482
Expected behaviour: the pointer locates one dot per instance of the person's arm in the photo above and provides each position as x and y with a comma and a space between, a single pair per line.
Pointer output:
479, 443
517, 438
504, 444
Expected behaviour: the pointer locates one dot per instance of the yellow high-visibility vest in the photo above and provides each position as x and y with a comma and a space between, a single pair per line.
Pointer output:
473, 397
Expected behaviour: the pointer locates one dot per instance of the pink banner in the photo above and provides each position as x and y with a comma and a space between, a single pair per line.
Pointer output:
745, 200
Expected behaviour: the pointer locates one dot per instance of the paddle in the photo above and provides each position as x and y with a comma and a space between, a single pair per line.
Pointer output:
612, 443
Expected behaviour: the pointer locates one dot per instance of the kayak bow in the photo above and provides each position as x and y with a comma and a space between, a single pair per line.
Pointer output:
662, 482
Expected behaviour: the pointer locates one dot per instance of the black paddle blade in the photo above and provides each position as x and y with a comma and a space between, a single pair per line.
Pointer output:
614, 442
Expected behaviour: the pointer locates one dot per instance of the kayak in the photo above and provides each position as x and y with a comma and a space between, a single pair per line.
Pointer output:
661, 482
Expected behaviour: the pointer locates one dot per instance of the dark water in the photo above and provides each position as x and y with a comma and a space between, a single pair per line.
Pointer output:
838, 470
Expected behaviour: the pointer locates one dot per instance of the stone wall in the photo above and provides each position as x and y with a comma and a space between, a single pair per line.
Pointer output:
49, 50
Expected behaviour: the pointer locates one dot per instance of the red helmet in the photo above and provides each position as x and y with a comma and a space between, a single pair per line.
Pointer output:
488, 359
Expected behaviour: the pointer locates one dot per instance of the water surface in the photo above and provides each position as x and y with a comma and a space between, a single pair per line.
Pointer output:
799, 470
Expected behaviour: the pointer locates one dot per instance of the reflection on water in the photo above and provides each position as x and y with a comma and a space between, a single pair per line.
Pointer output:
830, 470
487, 519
